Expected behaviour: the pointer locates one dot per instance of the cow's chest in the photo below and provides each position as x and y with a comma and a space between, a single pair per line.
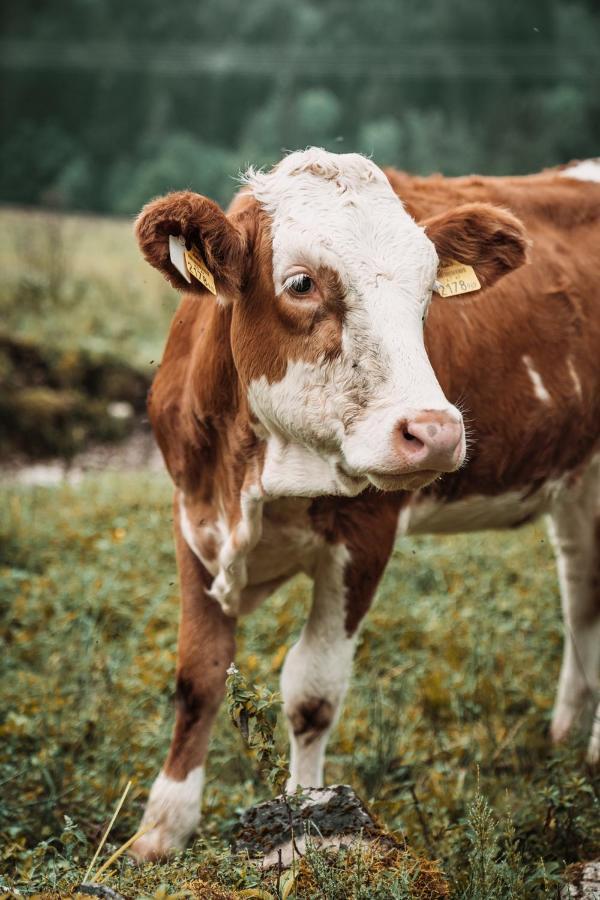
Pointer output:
288, 543
271, 541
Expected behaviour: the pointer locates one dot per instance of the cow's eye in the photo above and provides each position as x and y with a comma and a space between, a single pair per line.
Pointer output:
300, 285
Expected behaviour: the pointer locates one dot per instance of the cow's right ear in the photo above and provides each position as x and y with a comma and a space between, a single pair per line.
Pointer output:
200, 226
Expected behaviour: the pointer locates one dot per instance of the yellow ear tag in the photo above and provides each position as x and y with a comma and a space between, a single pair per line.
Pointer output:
455, 278
196, 267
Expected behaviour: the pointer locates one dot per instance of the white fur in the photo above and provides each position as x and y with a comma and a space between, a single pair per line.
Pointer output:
258, 565
573, 533
340, 210
319, 665
230, 569
588, 170
593, 753
189, 534
291, 470
173, 810
286, 523
232, 576
539, 388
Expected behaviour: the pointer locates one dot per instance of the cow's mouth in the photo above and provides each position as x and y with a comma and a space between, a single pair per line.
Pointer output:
412, 481
351, 484
408, 481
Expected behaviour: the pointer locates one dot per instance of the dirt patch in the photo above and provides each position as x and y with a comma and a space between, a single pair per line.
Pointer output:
135, 453
54, 402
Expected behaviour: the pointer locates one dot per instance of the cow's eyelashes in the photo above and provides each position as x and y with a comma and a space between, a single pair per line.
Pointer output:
299, 285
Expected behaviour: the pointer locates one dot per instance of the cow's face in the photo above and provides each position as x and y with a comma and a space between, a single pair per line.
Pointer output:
330, 281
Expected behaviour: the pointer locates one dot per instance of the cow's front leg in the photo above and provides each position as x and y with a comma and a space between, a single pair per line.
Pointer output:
205, 650
317, 669
576, 538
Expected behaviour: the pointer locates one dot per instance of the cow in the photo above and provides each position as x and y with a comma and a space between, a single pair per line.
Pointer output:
310, 408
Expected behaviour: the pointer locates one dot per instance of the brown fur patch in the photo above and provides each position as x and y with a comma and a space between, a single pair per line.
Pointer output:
546, 310
269, 331
491, 240
189, 704
311, 718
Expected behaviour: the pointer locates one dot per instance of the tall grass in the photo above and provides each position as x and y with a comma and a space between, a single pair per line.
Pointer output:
81, 281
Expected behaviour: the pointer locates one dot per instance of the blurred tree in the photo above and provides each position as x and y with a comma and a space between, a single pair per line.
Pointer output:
317, 114
74, 187
181, 161
382, 139
105, 103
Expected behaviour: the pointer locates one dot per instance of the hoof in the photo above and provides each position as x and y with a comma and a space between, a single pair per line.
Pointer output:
172, 816
593, 752
153, 846
562, 722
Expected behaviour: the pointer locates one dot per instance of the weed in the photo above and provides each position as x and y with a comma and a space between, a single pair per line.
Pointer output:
254, 711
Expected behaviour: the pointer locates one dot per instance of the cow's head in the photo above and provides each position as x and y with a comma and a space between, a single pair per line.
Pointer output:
330, 280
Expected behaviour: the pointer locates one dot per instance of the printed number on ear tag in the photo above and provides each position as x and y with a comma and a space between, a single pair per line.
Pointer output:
190, 262
197, 268
456, 278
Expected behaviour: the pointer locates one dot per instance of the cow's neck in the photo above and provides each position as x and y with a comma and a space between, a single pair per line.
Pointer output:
226, 464
292, 470
217, 458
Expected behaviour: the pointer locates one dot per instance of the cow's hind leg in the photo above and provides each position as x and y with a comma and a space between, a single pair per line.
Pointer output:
575, 529
205, 651
317, 669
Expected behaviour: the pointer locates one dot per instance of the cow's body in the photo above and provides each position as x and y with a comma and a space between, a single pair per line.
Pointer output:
522, 362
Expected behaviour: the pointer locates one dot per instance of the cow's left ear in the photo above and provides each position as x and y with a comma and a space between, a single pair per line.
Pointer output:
489, 239
198, 225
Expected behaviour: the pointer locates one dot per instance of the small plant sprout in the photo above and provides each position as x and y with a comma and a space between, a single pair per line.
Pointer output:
253, 710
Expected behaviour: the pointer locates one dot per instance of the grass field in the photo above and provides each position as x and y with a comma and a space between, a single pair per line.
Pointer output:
454, 682
82, 324
80, 281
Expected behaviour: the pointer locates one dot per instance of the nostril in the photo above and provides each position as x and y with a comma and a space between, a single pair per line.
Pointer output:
429, 440
408, 436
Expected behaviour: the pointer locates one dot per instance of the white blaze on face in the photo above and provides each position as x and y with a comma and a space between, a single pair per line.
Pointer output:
340, 211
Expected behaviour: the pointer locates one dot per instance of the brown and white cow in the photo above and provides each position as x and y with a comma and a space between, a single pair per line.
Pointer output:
305, 415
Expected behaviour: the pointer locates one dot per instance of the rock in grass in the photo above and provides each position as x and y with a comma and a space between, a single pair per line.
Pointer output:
328, 817
584, 881
98, 890
337, 845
